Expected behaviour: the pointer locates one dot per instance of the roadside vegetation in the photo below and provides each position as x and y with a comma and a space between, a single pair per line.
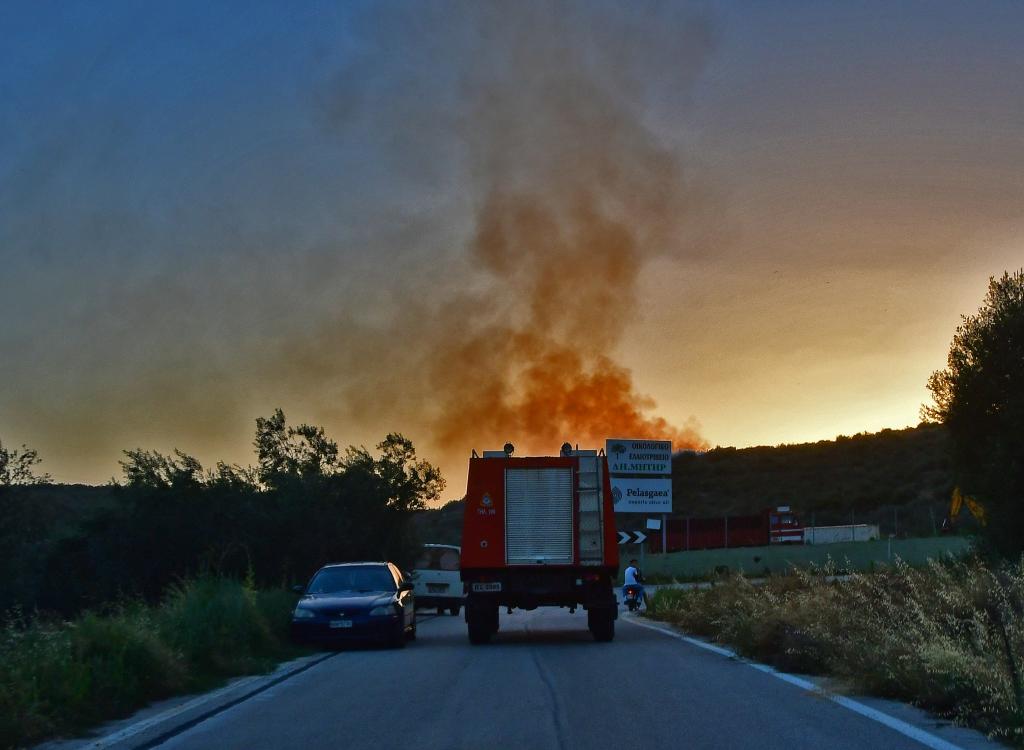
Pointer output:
176, 577
948, 637
305, 503
59, 677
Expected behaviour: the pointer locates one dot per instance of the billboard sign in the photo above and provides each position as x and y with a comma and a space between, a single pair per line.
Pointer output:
639, 457
647, 495
641, 475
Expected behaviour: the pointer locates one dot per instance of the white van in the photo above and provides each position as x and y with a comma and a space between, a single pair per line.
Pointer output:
436, 581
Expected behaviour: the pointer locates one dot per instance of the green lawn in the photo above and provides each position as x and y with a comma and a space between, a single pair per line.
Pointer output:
780, 558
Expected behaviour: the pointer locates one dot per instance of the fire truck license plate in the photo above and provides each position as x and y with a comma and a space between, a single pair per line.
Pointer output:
486, 587
341, 623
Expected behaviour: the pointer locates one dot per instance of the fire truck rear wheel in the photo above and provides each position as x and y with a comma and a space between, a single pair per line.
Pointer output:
602, 624
479, 633
454, 610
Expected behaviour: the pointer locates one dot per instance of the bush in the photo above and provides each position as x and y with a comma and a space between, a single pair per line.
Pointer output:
216, 626
948, 637
121, 662
58, 677
275, 607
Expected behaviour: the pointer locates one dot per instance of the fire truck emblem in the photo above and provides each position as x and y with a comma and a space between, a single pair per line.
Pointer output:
616, 495
487, 500
618, 449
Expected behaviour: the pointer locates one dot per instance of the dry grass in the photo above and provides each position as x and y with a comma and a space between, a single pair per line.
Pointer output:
947, 636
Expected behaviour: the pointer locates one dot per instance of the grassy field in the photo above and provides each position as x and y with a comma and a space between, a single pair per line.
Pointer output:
698, 564
948, 636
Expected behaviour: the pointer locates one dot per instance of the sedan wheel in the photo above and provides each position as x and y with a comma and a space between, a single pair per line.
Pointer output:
398, 639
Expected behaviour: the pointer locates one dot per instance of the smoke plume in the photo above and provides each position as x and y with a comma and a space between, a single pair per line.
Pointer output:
573, 193
425, 218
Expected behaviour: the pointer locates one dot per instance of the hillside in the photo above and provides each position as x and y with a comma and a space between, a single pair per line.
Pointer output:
900, 479
891, 477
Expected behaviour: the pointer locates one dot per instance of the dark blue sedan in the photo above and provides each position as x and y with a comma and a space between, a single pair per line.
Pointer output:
366, 601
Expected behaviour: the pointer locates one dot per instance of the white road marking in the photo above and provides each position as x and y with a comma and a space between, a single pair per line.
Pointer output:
141, 726
897, 725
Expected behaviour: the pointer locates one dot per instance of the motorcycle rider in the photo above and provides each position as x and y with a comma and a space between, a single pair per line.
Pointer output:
634, 578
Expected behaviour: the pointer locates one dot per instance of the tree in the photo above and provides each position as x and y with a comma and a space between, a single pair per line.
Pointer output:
409, 482
979, 396
292, 452
23, 525
152, 469
16, 466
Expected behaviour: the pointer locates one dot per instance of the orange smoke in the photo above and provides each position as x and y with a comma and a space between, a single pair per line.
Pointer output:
571, 192
570, 281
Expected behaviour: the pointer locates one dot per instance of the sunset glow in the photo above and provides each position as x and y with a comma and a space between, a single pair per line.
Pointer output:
725, 224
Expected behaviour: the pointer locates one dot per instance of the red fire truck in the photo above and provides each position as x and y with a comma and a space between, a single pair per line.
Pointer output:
539, 531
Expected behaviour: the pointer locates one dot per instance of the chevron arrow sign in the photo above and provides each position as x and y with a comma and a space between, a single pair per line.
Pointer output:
632, 537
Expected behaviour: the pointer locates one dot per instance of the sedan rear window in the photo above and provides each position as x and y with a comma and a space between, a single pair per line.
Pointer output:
337, 580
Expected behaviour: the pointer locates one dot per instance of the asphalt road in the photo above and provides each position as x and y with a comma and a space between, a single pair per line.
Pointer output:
542, 683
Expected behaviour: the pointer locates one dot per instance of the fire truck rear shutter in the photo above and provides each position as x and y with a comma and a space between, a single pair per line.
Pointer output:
539, 516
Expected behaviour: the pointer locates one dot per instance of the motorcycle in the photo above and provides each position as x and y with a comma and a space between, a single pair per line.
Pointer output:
633, 596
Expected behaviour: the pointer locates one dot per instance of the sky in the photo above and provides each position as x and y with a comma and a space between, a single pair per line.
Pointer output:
724, 223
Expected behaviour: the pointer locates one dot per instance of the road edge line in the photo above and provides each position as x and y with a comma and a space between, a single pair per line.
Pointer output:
164, 736
898, 725
266, 682
126, 733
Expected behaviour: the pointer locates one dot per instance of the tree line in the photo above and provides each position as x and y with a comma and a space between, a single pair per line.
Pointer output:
303, 504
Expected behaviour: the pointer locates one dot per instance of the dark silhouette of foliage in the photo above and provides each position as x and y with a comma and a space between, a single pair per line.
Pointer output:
979, 396
16, 467
24, 526
304, 505
285, 453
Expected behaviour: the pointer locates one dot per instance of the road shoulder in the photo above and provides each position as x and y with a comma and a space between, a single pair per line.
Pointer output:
162, 720
908, 720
